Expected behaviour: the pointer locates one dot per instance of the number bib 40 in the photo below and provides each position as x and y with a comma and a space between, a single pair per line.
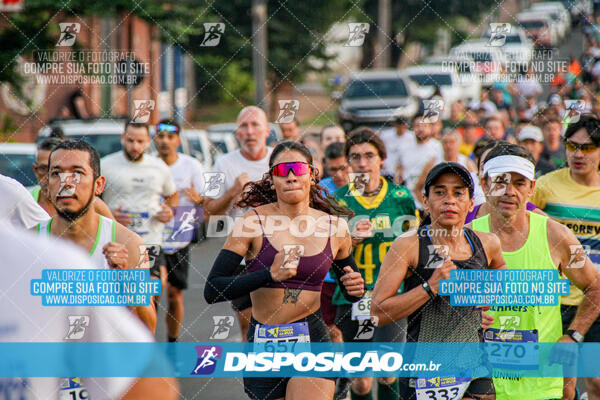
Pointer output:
140, 222
505, 348
71, 389
362, 308
271, 335
441, 388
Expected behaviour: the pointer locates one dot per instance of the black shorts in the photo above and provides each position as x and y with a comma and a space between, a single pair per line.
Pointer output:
568, 314
364, 331
478, 386
178, 265
275, 388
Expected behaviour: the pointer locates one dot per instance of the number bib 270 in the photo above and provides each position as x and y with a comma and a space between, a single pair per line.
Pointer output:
271, 335
71, 389
362, 308
506, 349
441, 388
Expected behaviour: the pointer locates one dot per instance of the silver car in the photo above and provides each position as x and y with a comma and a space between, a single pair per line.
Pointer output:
377, 98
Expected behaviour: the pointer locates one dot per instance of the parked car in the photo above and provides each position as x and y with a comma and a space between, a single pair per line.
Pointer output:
517, 47
488, 60
16, 161
103, 134
428, 77
539, 27
377, 98
559, 13
464, 66
229, 128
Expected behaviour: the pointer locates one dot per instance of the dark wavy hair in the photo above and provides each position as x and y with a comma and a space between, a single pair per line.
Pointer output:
259, 193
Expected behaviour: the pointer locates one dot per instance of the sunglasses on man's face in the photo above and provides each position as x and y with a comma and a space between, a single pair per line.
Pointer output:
586, 148
283, 169
167, 128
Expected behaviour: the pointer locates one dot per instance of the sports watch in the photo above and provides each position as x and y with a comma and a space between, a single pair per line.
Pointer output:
575, 335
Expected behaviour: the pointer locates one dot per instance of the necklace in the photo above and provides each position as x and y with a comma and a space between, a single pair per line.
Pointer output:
376, 191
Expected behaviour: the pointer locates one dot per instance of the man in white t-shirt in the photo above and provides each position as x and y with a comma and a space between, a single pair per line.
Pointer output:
423, 150
397, 140
24, 319
247, 164
17, 207
188, 175
135, 183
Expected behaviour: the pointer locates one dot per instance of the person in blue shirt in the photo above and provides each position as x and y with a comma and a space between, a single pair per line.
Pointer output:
336, 166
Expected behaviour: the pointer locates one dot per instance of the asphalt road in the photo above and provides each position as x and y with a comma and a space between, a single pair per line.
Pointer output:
198, 326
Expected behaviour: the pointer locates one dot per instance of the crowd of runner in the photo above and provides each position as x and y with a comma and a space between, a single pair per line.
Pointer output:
509, 181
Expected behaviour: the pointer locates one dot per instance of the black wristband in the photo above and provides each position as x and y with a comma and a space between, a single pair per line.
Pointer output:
428, 290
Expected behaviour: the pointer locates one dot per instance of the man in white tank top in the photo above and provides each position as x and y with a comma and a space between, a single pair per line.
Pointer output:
74, 181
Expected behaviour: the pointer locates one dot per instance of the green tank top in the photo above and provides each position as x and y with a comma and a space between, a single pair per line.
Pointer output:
543, 321
391, 212
35, 192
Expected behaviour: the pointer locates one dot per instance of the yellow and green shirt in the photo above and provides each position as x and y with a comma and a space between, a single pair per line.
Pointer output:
576, 206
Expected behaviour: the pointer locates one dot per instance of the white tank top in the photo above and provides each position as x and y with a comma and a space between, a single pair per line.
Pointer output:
106, 233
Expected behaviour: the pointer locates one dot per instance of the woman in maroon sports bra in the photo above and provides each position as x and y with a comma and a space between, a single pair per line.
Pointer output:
291, 237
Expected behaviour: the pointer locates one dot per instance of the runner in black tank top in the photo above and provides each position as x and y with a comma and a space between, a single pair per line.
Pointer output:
429, 322
420, 259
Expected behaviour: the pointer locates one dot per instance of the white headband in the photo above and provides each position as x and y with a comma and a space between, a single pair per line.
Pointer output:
502, 164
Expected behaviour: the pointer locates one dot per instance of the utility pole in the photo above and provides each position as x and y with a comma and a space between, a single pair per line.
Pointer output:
259, 51
384, 33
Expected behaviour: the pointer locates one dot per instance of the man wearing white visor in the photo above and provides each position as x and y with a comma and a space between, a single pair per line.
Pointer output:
525, 237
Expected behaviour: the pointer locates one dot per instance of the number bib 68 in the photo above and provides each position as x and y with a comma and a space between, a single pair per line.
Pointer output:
362, 308
441, 388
